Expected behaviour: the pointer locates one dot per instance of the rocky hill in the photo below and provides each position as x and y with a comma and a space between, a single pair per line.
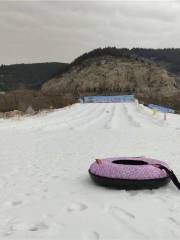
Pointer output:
108, 73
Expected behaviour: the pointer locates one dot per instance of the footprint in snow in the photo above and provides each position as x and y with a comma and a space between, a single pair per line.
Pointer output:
91, 236
117, 212
55, 177
126, 220
16, 203
174, 221
8, 230
65, 169
13, 226
38, 227
77, 207
13, 203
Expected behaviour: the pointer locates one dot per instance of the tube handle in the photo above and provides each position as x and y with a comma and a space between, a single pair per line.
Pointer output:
170, 173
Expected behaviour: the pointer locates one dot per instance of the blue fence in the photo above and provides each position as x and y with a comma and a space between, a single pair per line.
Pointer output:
161, 109
107, 99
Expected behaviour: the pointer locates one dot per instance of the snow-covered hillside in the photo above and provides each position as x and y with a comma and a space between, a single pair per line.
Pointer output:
46, 192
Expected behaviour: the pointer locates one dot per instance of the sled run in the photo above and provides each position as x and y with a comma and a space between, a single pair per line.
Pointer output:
46, 192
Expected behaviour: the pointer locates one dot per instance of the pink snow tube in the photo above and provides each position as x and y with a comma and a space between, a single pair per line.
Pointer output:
130, 172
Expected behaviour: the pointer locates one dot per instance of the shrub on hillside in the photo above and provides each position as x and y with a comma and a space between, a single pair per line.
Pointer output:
22, 99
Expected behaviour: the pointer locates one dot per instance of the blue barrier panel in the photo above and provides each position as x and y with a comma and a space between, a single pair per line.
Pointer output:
81, 99
106, 99
161, 109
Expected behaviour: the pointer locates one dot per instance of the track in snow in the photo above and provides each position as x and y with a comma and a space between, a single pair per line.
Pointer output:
101, 116
91, 115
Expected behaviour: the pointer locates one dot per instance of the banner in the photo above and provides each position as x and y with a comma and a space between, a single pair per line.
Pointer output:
107, 99
161, 109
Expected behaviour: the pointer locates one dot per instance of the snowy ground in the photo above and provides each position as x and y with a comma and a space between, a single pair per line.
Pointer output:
46, 192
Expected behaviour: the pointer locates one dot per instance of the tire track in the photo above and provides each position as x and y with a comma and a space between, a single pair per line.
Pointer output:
120, 118
130, 117
108, 124
70, 115
91, 119
97, 121
70, 121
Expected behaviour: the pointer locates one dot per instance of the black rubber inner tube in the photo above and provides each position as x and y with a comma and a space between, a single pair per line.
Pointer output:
129, 184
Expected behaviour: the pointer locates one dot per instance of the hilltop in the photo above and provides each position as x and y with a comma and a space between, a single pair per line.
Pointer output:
117, 71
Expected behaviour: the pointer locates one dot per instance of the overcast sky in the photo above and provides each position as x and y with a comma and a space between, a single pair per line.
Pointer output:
49, 31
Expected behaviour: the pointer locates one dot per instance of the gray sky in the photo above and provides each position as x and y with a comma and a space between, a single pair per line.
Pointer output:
41, 31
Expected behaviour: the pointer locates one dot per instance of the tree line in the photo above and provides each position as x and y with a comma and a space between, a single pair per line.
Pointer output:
29, 76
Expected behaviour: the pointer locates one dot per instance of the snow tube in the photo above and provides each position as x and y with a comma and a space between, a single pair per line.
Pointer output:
132, 173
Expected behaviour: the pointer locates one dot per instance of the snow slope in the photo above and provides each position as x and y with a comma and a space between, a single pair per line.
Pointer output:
46, 192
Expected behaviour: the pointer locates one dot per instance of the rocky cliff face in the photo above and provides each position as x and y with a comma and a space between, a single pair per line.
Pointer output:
111, 74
